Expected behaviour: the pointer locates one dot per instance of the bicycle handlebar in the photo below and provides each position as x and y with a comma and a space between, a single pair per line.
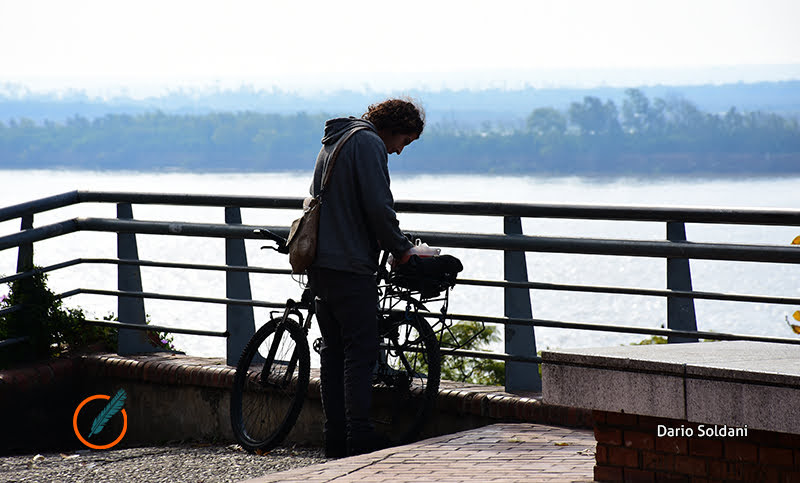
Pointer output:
281, 241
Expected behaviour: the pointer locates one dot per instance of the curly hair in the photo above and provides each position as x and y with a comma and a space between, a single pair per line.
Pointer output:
397, 116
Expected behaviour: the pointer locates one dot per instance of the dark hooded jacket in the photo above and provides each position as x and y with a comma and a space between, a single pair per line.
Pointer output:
357, 218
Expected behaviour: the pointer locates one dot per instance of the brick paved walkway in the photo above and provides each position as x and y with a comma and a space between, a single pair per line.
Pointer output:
500, 452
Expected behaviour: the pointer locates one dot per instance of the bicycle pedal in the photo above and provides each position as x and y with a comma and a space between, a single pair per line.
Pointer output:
317, 345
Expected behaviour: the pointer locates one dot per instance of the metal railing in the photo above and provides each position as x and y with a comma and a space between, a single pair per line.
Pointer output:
520, 344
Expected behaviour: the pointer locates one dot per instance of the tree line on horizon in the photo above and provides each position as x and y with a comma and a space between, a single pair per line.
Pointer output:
592, 136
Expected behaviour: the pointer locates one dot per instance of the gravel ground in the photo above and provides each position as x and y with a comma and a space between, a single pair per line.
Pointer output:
190, 463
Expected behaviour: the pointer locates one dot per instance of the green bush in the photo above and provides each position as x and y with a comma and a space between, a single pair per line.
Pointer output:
489, 372
52, 329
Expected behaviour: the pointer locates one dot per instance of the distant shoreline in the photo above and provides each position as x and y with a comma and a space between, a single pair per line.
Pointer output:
397, 174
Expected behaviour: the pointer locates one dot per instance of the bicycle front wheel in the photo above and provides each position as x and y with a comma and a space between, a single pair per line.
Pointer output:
407, 377
270, 385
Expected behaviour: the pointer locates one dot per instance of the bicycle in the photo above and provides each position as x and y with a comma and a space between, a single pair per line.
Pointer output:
273, 373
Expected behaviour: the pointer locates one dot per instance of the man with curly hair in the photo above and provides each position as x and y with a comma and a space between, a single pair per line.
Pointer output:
357, 221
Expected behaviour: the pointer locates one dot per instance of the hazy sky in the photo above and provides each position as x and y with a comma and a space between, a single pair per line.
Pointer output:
403, 44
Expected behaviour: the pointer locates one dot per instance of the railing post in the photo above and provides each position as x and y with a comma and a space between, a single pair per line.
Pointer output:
38, 345
519, 340
240, 321
680, 311
25, 253
129, 279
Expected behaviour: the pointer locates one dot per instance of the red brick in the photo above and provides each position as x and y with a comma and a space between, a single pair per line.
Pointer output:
612, 436
649, 424
639, 440
599, 417
621, 419
497, 406
23, 380
607, 473
135, 370
705, 447
671, 478
690, 465
46, 375
619, 456
62, 368
740, 451
638, 476
791, 477
227, 377
172, 374
760, 437
573, 417
717, 469
532, 411
658, 461
775, 456
760, 473
601, 454
784, 440
672, 445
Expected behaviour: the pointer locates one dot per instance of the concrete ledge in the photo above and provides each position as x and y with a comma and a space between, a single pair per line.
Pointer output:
734, 383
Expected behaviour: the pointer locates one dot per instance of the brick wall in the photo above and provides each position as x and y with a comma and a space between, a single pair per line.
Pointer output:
629, 448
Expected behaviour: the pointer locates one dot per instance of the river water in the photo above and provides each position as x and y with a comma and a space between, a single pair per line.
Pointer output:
733, 277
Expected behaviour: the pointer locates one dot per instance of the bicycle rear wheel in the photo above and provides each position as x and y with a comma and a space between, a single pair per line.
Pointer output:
406, 380
270, 385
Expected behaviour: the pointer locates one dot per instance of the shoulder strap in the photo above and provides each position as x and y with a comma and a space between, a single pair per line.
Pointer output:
329, 169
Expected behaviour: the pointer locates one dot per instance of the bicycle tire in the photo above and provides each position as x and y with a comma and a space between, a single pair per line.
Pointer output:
264, 411
407, 377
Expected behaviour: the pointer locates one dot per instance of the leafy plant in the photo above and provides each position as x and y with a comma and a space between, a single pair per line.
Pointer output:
465, 369
52, 329
656, 339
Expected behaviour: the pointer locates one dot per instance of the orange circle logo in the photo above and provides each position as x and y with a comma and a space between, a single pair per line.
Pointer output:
100, 421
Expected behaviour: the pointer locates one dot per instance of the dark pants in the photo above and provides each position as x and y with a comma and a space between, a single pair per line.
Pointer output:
347, 311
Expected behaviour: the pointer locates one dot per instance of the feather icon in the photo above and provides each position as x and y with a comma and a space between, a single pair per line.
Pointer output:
112, 408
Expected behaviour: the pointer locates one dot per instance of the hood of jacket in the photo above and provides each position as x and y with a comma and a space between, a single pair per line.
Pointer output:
336, 128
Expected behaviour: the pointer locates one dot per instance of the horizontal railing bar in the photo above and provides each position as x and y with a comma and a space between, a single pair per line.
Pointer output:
469, 353
10, 310
480, 208
14, 341
159, 328
180, 298
190, 266
38, 234
634, 291
188, 199
489, 355
473, 282
726, 216
631, 248
607, 328
634, 248
38, 206
145, 263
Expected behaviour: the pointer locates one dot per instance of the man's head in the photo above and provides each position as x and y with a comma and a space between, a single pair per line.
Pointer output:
398, 121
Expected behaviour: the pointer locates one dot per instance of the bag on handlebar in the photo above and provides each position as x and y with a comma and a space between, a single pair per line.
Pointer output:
303, 234
428, 275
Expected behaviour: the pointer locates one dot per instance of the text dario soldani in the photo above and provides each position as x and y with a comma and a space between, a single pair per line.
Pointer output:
102, 415
702, 431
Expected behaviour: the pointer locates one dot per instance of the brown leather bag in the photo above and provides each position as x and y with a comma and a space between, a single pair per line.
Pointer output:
303, 234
